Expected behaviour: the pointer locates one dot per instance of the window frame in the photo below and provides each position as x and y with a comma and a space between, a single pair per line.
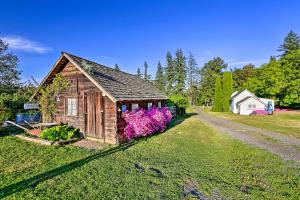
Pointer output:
159, 104
75, 106
134, 106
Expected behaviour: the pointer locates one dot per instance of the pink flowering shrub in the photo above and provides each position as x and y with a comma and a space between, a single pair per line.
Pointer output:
145, 123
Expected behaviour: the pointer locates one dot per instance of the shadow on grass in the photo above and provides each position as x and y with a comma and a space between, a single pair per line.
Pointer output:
32, 182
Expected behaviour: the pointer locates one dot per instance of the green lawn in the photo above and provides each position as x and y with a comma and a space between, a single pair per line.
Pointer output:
155, 168
283, 122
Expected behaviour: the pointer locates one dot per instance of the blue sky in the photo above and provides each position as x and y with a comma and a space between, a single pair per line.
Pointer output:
130, 32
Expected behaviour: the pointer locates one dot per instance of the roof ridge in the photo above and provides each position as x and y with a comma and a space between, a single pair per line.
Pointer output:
110, 68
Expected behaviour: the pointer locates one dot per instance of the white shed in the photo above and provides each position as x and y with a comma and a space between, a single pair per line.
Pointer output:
249, 104
236, 97
245, 102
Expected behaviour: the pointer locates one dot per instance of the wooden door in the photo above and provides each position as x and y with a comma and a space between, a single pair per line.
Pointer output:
93, 107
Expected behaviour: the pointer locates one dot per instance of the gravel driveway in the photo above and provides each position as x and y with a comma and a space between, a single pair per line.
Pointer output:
285, 146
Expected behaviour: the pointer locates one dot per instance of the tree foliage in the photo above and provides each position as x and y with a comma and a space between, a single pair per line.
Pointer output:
192, 79
49, 95
13, 93
147, 76
242, 75
180, 68
9, 73
210, 71
170, 73
159, 78
217, 105
280, 79
116, 67
227, 90
139, 73
290, 43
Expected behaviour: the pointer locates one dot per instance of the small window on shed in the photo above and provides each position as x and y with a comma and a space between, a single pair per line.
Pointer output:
72, 106
134, 106
249, 105
149, 105
159, 104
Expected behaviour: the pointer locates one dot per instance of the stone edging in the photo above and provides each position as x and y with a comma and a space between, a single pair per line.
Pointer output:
47, 142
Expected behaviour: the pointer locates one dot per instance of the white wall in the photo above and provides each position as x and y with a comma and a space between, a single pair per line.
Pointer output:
267, 100
244, 106
236, 99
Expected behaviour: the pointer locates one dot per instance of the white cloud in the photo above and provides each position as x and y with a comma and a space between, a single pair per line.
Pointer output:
23, 44
241, 63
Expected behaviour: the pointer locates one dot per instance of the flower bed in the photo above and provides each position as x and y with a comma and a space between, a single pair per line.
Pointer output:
143, 123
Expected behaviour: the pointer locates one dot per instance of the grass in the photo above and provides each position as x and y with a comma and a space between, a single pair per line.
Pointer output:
159, 167
287, 123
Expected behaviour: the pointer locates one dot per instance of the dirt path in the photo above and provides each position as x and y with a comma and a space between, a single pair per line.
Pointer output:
286, 147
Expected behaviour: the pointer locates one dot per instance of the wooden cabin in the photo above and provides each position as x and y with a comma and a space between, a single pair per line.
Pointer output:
98, 95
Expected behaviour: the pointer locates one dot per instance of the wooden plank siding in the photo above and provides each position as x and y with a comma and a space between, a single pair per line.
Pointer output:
108, 124
84, 86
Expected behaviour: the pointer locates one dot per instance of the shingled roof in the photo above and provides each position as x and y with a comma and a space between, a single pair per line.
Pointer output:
120, 85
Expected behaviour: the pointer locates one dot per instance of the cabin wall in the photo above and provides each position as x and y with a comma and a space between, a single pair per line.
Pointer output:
82, 85
110, 118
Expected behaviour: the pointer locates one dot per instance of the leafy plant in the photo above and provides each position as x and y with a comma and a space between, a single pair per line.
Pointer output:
179, 100
61, 132
49, 95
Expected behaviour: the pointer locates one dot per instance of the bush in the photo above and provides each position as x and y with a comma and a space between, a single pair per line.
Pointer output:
145, 123
179, 100
7, 130
61, 132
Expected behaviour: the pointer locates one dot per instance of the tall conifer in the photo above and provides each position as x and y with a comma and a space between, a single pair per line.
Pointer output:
147, 76
159, 78
227, 91
217, 106
180, 68
170, 73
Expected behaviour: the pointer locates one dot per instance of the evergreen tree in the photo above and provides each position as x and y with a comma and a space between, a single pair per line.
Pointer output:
193, 76
227, 91
159, 78
169, 74
117, 67
217, 105
139, 73
180, 68
291, 43
147, 76
208, 73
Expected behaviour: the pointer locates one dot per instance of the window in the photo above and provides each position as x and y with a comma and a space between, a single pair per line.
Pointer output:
134, 106
159, 104
72, 106
149, 105
251, 106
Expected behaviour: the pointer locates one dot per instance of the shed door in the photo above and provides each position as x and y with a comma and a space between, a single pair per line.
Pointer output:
94, 115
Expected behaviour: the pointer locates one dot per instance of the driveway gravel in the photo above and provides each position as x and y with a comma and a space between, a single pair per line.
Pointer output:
285, 146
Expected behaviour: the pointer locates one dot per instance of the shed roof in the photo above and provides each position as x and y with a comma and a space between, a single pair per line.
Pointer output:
249, 97
120, 86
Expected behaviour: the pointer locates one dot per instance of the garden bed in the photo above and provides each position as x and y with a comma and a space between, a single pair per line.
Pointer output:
46, 142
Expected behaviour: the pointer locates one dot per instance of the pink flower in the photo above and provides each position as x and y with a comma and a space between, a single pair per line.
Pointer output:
145, 123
